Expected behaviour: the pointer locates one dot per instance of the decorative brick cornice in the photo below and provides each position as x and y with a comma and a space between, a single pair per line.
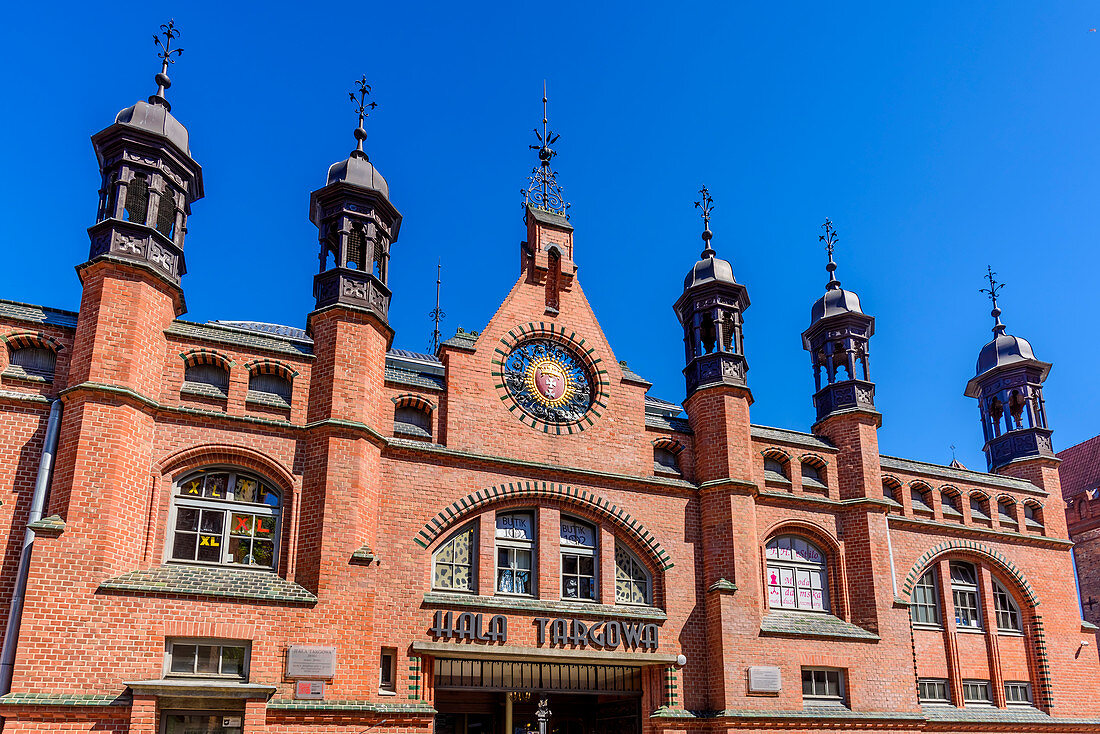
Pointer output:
592, 504
201, 355
816, 460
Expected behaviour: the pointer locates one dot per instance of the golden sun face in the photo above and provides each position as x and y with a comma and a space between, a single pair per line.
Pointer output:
548, 379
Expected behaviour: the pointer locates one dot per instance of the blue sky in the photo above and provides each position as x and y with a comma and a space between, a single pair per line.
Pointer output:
939, 137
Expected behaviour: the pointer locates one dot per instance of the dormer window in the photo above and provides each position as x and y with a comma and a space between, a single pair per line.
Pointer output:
1006, 514
1033, 516
949, 506
979, 509
412, 417
811, 476
665, 461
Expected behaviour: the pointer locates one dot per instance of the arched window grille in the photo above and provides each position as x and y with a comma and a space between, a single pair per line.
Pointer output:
664, 460
578, 560
453, 563
796, 574
225, 517
137, 199
633, 584
357, 248
774, 469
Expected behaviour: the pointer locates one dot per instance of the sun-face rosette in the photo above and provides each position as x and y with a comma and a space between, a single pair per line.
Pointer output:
548, 381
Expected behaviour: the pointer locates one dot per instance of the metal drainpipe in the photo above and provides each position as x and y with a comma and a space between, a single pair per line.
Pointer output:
38, 502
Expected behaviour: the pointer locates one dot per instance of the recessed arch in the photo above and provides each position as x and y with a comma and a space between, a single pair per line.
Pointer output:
1006, 568
195, 457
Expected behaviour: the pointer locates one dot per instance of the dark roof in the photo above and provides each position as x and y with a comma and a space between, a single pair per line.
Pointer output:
37, 314
807, 440
836, 301
961, 475
290, 332
155, 118
462, 339
413, 355
661, 407
357, 170
1080, 469
241, 337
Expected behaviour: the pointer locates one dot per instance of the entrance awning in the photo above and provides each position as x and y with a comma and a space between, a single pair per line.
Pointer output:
542, 654
508, 675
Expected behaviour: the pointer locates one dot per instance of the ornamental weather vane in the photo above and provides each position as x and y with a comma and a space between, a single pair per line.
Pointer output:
170, 33
830, 238
543, 190
992, 292
361, 106
706, 203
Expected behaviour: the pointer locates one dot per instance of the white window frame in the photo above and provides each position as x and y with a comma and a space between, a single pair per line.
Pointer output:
227, 507
969, 685
514, 545
825, 673
1018, 684
774, 566
172, 642
933, 701
933, 576
469, 528
1005, 608
387, 687
962, 589
635, 565
580, 551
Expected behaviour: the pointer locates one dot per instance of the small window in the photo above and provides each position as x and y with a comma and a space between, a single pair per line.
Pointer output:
453, 563
578, 560
33, 362
387, 671
210, 379
207, 659
269, 388
811, 476
890, 492
796, 575
412, 421
976, 693
137, 199
665, 461
632, 581
166, 213
1008, 615
515, 539
920, 500
1017, 693
979, 509
1033, 517
949, 505
933, 691
225, 517
925, 608
774, 470
964, 592
822, 686
1006, 515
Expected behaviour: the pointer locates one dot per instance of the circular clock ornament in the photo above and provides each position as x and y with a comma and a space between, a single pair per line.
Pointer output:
550, 379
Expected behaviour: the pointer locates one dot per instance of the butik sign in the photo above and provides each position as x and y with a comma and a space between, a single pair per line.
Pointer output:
603, 635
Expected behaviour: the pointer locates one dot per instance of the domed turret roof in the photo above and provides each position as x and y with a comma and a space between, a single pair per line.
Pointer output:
835, 302
709, 269
155, 118
1004, 350
357, 170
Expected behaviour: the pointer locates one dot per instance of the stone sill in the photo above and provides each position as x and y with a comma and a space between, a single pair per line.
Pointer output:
200, 689
14, 372
813, 624
194, 389
210, 581
548, 607
266, 400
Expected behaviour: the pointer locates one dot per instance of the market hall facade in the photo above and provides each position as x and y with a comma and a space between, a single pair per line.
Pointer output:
238, 527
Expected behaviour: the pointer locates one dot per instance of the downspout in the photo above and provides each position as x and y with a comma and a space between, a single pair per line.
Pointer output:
890, 548
1077, 584
38, 502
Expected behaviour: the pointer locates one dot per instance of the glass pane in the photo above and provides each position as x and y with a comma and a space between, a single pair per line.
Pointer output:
263, 553
587, 565
587, 589
504, 559
446, 554
523, 582
639, 593
807, 683
515, 526
576, 533
216, 486
832, 684
245, 489
206, 660
443, 576
241, 524
462, 577
239, 550
461, 547
569, 564
505, 581
187, 519
184, 547
183, 658
569, 588
212, 521
523, 559
210, 548
233, 661
265, 526
192, 487
269, 496
623, 592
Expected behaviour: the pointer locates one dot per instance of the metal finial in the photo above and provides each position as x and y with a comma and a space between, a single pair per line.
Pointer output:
992, 292
543, 190
830, 238
361, 106
437, 314
706, 203
170, 33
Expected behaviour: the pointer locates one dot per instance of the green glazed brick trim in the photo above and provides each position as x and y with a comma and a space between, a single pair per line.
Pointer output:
225, 583
973, 548
414, 678
458, 510
65, 699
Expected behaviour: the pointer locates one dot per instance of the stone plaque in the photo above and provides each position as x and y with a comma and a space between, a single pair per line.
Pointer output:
309, 689
304, 661
765, 679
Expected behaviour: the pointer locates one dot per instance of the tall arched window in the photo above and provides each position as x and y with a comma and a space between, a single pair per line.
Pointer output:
964, 592
225, 517
515, 537
925, 608
633, 584
453, 562
578, 560
796, 574
1008, 614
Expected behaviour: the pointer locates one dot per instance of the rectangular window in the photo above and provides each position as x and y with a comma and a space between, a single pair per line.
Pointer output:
387, 671
925, 607
1017, 693
966, 608
515, 539
933, 691
578, 560
207, 659
976, 693
822, 686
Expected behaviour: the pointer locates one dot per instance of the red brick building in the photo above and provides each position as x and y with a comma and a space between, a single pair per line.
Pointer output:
242, 527
1079, 474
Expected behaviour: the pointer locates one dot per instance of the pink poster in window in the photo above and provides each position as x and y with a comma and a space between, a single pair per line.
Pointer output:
803, 579
788, 597
803, 597
786, 576
819, 599
775, 597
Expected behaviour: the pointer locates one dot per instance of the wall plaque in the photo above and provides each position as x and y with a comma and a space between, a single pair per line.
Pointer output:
309, 689
765, 679
304, 661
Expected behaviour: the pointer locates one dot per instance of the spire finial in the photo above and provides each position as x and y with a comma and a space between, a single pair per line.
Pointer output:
543, 190
706, 203
830, 238
992, 292
361, 106
170, 33
436, 314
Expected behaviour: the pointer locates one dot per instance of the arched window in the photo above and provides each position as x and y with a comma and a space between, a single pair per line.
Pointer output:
964, 592
774, 469
206, 378
453, 562
665, 461
33, 362
1006, 514
412, 420
925, 608
225, 517
979, 509
166, 213
796, 574
137, 199
890, 490
1033, 516
949, 505
1008, 614
515, 537
578, 560
812, 475
633, 584
919, 496
269, 385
